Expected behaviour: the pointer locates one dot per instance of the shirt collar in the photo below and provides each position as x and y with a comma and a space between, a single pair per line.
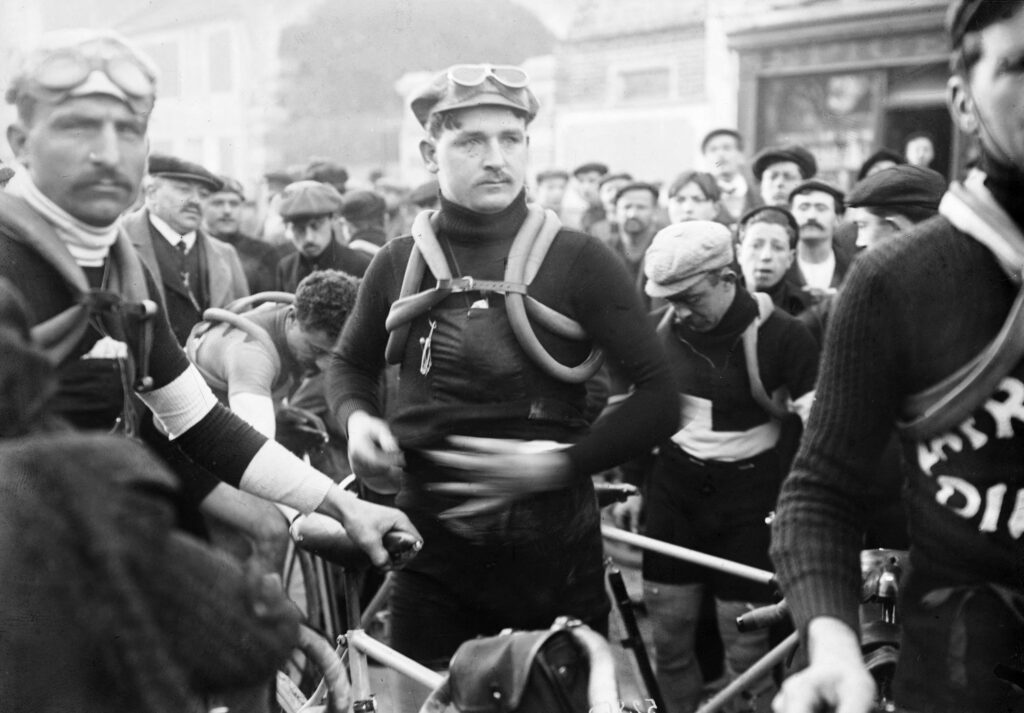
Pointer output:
171, 234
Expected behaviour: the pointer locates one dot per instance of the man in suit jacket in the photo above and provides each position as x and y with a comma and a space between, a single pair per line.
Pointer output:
194, 271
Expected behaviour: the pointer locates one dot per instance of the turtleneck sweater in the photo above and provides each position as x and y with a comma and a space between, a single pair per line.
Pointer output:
911, 312
579, 278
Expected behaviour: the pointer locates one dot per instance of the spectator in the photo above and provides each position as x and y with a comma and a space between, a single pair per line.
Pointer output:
779, 169
919, 149
880, 160
820, 263
693, 195
768, 237
583, 204
326, 171
222, 215
723, 154
551, 185
362, 221
309, 209
635, 205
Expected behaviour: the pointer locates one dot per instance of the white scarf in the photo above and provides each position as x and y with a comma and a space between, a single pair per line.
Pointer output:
87, 244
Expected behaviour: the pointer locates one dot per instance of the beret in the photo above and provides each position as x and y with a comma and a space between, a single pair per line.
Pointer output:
231, 185
309, 198
550, 173
637, 186
590, 167
720, 132
682, 252
815, 185
425, 193
882, 154
775, 154
445, 94
903, 185
363, 205
174, 167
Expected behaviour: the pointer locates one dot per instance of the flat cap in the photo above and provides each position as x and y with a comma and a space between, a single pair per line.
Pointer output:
590, 167
681, 253
898, 186
304, 198
327, 171
775, 154
231, 185
637, 186
815, 185
469, 85
174, 167
963, 16
882, 154
614, 177
721, 132
363, 205
552, 174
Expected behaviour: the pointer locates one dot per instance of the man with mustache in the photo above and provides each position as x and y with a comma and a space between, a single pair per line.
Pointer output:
487, 437
635, 205
83, 103
222, 219
820, 263
196, 272
310, 210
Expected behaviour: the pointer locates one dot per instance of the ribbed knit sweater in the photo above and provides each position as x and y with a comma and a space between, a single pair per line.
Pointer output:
910, 313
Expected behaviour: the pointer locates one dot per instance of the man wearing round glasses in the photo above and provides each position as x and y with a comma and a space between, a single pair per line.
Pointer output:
479, 411
84, 100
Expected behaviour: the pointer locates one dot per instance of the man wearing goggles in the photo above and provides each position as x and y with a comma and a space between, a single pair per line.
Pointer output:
83, 102
512, 558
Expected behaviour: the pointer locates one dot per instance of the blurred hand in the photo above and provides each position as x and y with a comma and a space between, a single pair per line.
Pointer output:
626, 516
501, 467
836, 679
373, 451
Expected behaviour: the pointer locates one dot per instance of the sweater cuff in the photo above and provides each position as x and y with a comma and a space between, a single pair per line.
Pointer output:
813, 596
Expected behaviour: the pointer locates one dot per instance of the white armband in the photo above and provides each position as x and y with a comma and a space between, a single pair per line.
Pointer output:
181, 404
276, 474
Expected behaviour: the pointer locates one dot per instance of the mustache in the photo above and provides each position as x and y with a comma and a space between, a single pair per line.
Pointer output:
115, 177
497, 176
812, 223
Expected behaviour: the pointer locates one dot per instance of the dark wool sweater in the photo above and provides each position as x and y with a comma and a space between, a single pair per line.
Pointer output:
579, 278
910, 313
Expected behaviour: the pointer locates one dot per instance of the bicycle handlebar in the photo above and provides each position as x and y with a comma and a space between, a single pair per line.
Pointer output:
763, 617
325, 537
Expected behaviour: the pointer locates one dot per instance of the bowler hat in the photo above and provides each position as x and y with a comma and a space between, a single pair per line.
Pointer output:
174, 167
681, 253
776, 154
309, 198
898, 186
448, 91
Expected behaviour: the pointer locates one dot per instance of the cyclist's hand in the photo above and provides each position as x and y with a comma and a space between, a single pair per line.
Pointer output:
836, 679
373, 451
367, 523
626, 516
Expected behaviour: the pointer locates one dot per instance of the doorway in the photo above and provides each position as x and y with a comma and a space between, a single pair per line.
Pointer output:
901, 122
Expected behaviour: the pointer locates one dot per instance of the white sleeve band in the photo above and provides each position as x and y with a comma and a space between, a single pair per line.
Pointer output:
181, 404
802, 406
276, 474
257, 410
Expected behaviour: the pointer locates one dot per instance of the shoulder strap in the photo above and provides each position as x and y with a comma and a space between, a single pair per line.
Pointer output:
972, 210
765, 307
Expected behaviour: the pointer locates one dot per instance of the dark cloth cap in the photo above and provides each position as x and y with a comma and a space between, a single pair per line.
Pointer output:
614, 177
590, 167
309, 198
327, 172
231, 185
444, 94
882, 154
363, 205
775, 154
637, 186
425, 193
815, 185
898, 186
721, 132
783, 212
550, 173
174, 167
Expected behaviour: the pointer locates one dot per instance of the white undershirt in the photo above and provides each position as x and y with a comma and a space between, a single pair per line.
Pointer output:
818, 274
171, 234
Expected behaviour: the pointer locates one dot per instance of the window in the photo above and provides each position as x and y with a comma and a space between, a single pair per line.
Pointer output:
220, 49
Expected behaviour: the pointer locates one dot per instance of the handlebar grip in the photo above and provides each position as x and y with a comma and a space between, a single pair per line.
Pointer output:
763, 617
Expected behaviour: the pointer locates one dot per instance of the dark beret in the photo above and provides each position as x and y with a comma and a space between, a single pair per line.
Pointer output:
898, 186
721, 132
776, 154
445, 94
815, 185
309, 198
425, 193
637, 186
326, 172
363, 205
590, 167
231, 185
174, 167
882, 154
551, 173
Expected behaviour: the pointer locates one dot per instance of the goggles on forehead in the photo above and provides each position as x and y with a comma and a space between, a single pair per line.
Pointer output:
473, 75
62, 72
